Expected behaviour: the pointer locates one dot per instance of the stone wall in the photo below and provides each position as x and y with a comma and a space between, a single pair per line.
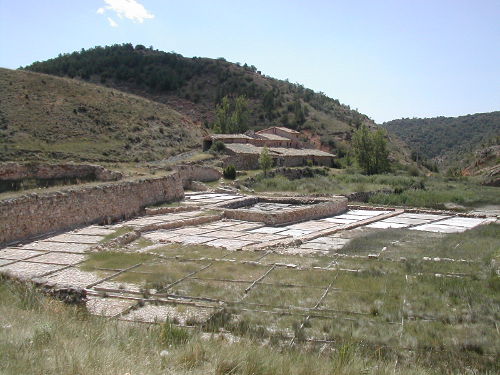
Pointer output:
242, 161
191, 172
306, 209
251, 161
35, 214
19, 171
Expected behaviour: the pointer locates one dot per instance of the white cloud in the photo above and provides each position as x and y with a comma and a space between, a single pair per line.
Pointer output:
112, 22
130, 9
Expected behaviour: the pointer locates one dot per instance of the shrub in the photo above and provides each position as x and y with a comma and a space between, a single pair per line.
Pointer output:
229, 172
218, 146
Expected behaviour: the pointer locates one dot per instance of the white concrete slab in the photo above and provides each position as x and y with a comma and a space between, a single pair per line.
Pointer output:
76, 238
159, 235
195, 240
386, 225
430, 217
269, 230
75, 277
340, 221
107, 306
439, 228
405, 220
226, 234
369, 213
229, 244
295, 232
349, 216
59, 258
57, 246
94, 231
26, 270
18, 254
466, 222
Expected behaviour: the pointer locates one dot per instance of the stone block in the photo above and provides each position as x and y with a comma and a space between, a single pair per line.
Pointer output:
57, 246
75, 277
27, 270
107, 306
59, 258
18, 254
161, 313
230, 244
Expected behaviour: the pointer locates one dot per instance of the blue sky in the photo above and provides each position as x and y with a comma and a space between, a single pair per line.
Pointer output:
387, 58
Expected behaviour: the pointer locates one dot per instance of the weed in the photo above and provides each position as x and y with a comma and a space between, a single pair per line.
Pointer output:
171, 335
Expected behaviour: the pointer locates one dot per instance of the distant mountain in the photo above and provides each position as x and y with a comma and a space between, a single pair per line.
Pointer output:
449, 141
193, 87
47, 117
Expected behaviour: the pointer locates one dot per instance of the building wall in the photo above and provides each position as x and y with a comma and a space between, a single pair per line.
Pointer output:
281, 133
251, 161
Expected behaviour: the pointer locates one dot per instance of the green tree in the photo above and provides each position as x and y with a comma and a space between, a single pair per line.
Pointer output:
239, 118
222, 122
265, 160
363, 149
268, 103
380, 152
370, 150
231, 117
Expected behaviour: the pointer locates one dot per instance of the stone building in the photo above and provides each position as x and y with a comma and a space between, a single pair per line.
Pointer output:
284, 146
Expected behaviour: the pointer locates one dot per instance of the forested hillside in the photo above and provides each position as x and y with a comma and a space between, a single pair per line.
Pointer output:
448, 140
47, 117
194, 86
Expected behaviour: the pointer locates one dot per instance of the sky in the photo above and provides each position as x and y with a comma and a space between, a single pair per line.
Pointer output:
387, 58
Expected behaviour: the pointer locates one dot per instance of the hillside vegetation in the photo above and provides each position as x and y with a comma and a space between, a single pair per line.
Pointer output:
47, 117
194, 86
450, 141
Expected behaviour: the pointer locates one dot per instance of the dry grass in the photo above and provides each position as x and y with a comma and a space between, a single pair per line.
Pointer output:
61, 339
56, 118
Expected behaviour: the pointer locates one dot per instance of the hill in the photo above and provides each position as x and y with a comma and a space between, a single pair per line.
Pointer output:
449, 141
47, 117
193, 86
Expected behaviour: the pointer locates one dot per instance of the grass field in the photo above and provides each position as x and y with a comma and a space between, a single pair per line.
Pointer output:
62, 339
431, 192
406, 308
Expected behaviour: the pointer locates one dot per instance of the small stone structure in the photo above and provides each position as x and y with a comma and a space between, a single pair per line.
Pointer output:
280, 211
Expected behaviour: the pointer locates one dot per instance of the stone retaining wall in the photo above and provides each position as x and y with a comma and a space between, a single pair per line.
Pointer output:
12, 171
189, 173
34, 214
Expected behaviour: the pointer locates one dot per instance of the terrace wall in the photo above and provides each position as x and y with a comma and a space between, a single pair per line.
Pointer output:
18, 171
34, 214
38, 213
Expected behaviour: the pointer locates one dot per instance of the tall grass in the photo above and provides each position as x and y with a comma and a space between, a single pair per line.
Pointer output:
415, 191
39, 335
